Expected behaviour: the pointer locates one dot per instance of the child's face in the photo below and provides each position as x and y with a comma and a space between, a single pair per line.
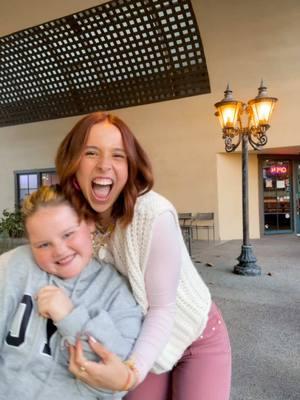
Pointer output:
61, 245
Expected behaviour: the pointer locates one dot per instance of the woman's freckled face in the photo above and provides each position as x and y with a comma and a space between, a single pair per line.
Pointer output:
103, 168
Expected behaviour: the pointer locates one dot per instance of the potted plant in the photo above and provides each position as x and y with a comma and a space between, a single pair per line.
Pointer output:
12, 232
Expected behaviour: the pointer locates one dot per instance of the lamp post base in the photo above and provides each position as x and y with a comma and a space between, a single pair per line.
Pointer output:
247, 263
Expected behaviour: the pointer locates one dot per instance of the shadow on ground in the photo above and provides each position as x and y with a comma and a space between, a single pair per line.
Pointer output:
262, 314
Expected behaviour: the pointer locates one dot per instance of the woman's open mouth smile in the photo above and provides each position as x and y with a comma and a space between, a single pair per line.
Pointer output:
101, 188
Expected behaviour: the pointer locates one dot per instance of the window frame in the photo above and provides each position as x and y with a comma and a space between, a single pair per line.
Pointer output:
38, 171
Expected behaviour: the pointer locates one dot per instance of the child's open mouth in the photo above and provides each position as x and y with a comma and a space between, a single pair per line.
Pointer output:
65, 260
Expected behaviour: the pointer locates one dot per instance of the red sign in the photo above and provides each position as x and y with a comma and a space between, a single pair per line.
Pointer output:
278, 169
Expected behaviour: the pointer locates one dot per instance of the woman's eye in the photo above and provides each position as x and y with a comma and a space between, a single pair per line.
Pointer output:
119, 155
90, 153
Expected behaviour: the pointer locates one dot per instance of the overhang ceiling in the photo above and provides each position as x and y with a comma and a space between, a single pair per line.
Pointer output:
119, 54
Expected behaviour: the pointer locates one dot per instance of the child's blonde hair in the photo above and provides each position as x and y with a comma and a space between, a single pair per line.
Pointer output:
43, 197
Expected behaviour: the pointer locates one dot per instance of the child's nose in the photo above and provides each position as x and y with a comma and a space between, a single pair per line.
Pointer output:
59, 249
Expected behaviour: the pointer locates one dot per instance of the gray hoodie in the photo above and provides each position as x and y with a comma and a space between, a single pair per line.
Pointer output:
33, 354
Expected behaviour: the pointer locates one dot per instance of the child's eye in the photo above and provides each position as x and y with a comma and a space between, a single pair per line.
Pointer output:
68, 234
43, 246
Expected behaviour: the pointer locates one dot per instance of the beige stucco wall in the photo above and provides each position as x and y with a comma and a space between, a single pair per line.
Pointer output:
243, 41
170, 131
229, 185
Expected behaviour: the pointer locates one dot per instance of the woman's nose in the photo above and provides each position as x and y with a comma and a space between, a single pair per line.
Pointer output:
104, 163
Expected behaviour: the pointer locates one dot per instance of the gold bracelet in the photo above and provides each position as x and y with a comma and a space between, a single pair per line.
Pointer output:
130, 363
127, 383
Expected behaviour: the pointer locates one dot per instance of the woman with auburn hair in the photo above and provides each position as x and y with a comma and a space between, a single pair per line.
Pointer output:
140, 178
183, 350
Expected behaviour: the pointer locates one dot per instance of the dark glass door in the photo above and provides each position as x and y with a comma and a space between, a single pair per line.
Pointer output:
297, 197
277, 196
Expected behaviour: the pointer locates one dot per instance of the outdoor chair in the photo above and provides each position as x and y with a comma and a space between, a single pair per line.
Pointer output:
185, 221
204, 221
185, 218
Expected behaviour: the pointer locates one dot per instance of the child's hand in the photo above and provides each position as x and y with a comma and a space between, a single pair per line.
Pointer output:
53, 303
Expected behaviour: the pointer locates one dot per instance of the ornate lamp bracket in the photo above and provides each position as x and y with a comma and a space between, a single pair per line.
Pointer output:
257, 136
228, 135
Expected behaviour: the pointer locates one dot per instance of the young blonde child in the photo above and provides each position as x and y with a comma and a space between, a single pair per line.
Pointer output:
53, 292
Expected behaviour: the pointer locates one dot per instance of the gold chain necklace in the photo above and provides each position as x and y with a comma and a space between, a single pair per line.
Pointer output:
101, 240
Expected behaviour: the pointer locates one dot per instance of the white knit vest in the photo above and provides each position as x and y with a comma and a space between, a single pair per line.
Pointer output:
130, 248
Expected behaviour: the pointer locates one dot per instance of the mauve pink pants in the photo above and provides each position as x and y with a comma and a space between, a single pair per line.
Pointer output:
202, 373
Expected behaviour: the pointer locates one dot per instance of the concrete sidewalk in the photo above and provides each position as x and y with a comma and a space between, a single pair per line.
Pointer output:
262, 314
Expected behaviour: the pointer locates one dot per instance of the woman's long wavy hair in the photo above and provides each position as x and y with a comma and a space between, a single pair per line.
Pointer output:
140, 176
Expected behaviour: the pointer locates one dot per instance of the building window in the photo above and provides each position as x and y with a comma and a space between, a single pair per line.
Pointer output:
277, 200
28, 181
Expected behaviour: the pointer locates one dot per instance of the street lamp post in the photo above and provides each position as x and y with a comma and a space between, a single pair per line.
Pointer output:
229, 112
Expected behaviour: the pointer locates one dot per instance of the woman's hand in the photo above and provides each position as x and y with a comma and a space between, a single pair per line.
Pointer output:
110, 373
